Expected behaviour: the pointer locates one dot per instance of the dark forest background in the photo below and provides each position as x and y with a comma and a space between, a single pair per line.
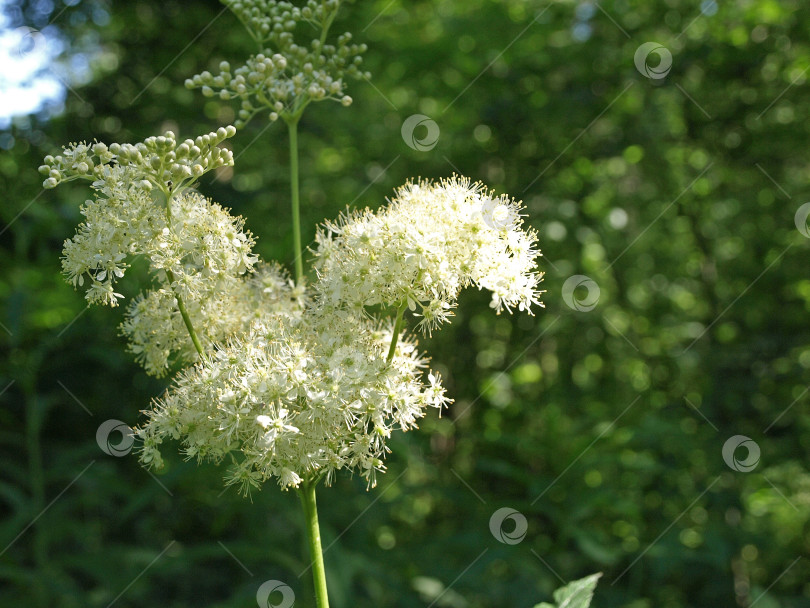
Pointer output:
676, 196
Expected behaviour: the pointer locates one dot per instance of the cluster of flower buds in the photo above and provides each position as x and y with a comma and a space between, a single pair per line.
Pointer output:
268, 20
285, 76
157, 161
76, 160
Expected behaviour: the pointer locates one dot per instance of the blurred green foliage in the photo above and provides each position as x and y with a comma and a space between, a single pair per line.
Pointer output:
604, 428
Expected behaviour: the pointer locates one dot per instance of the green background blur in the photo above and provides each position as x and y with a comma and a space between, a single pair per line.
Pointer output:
605, 428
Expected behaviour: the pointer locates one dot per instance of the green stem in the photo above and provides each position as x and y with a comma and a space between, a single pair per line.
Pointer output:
292, 125
307, 494
398, 325
184, 313
170, 275
327, 25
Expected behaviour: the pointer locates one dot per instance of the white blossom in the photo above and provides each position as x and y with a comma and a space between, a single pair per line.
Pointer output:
296, 398
296, 382
432, 240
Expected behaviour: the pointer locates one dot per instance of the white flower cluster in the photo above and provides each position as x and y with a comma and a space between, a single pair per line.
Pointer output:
122, 221
432, 240
308, 392
198, 253
300, 398
285, 76
290, 383
197, 242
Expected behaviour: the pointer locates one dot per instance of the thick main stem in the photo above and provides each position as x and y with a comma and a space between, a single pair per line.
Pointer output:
307, 495
292, 126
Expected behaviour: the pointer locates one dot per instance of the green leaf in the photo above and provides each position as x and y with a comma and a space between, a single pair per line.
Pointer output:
577, 594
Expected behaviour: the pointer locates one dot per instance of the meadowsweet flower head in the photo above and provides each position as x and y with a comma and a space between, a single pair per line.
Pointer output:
432, 240
195, 249
314, 387
285, 75
116, 226
181, 233
198, 244
296, 398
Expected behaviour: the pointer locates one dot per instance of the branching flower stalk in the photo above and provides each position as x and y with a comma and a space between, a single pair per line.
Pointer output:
285, 76
287, 380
